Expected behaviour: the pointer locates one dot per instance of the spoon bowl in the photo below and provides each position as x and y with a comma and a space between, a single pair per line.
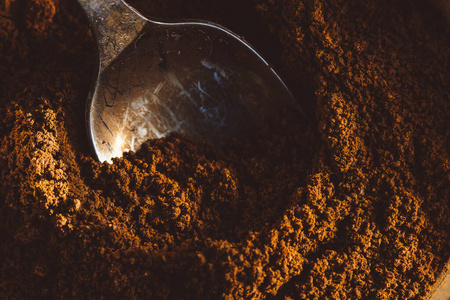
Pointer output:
154, 78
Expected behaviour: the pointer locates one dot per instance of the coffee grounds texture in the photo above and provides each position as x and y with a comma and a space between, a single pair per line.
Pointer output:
351, 203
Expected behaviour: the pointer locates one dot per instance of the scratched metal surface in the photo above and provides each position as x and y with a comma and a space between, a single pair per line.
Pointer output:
154, 78
115, 27
195, 79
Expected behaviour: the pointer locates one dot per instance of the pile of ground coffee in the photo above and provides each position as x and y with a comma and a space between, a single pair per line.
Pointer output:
350, 204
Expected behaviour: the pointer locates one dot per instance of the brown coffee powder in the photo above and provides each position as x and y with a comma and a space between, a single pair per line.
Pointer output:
353, 204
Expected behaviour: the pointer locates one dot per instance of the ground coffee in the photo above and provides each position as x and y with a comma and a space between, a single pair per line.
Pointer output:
350, 204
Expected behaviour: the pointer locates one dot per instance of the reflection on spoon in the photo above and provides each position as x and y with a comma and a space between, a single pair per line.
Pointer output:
154, 78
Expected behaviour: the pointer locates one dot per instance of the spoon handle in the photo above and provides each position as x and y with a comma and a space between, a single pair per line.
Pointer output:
115, 25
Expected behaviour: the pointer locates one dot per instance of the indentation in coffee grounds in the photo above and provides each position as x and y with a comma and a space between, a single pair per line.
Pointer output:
352, 204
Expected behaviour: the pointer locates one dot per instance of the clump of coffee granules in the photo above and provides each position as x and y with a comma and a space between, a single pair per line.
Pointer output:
353, 204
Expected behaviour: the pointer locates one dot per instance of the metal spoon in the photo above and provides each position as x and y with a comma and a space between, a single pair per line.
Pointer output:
154, 78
